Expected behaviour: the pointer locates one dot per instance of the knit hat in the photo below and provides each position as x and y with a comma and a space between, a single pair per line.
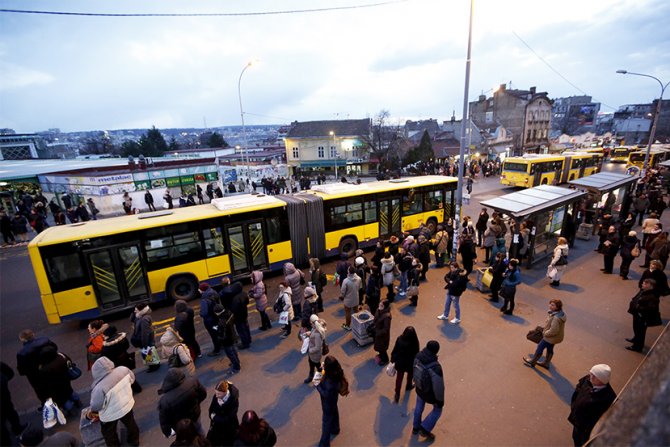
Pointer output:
309, 291
203, 286
602, 372
313, 318
433, 346
410, 238
218, 309
359, 261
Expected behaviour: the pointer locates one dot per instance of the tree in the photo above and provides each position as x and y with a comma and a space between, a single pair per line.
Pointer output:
98, 144
216, 140
152, 144
383, 141
173, 145
423, 152
130, 148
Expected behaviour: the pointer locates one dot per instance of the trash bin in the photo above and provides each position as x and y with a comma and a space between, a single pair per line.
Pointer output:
484, 277
584, 232
359, 327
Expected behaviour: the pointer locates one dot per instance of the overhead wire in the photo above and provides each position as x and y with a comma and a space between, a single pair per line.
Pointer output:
556, 71
213, 14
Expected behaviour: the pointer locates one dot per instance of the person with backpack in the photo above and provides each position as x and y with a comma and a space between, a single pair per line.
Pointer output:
331, 386
457, 282
319, 281
208, 299
225, 329
559, 262
429, 386
184, 324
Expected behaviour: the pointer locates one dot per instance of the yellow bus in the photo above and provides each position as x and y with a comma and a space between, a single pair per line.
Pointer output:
620, 154
656, 156
532, 169
89, 269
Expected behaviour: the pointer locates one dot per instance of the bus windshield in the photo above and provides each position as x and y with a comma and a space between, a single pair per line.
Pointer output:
637, 156
517, 167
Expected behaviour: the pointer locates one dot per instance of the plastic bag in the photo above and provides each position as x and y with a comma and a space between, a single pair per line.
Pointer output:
150, 356
283, 318
305, 345
552, 272
51, 414
390, 370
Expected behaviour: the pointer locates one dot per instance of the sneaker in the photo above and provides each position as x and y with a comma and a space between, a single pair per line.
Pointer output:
442, 317
455, 321
283, 335
345, 327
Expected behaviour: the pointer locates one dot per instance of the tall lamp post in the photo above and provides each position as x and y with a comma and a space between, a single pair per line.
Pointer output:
244, 129
332, 134
652, 133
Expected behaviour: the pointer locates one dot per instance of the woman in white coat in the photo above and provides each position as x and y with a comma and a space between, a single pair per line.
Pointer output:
559, 262
173, 344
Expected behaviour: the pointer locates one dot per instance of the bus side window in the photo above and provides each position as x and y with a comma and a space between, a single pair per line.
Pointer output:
533, 168
213, 241
370, 211
412, 203
65, 272
433, 201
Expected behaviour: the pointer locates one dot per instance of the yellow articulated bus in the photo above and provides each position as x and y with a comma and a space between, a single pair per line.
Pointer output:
655, 157
532, 169
88, 269
620, 154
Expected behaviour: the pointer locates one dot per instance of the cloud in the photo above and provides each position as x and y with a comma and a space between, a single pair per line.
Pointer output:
14, 76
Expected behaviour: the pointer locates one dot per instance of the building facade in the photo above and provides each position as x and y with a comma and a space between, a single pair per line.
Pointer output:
574, 115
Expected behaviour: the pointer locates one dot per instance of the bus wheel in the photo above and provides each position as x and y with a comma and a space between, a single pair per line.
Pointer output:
182, 288
348, 246
431, 225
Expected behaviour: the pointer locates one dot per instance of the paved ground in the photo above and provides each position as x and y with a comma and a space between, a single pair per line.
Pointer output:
491, 397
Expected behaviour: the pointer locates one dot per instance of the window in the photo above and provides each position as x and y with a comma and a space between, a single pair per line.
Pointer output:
277, 226
333, 152
516, 167
172, 245
346, 215
433, 201
412, 202
296, 152
370, 211
63, 267
213, 237
321, 152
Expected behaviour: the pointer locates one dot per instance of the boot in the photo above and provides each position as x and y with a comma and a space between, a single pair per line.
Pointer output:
396, 397
547, 361
530, 361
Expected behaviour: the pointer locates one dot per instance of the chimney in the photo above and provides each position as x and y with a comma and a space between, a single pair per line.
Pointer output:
482, 98
502, 88
532, 90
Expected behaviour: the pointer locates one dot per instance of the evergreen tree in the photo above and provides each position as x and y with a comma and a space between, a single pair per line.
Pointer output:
216, 140
152, 144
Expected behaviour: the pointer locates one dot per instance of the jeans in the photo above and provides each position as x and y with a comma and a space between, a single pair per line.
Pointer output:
457, 306
330, 425
429, 422
540, 348
231, 353
108, 430
215, 337
402, 289
244, 332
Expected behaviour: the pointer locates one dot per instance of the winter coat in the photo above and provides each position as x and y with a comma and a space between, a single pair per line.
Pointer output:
612, 248
560, 269
644, 305
648, 224
441, 242
554, 327
234, 299
293, 277
28, 361
315, 278
482, 220
180, 399
226, 328
659, 249
184, 322
309, 307
457, 281
661, 288
382, 330
257, 291
208, 300
403, 354
349, 290
315, 347
329, 391
588, 405
115, 348
387, 271
53, 376
171, 343
342, 267
94, 345
143, 332
627, 245
111, 392
435, 395
223, 418
490, 236
285, 296
512, 278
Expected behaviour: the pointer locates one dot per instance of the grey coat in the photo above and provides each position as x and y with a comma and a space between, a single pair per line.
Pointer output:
349, 289
292, 277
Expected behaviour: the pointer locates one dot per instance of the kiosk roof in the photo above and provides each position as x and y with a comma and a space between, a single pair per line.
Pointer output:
529, 201
603, 181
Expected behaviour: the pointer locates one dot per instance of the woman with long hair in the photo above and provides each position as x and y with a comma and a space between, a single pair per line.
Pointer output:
552, 334
382, 332
255, 431
333, 384
405, 349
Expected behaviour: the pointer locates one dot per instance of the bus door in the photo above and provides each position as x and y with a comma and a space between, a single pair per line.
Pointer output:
537, 178
247, 247
389, 217
118, 275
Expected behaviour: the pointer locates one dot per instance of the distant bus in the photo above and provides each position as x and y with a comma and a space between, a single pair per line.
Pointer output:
533, 170
620, 154
89, 269
656, 156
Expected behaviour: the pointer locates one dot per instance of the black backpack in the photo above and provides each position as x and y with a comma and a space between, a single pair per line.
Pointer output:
422, 379
323, 279
279, 305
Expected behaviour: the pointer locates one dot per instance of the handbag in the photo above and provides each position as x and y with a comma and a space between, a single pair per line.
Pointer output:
324, 348
73, 371
305, 345
413, 291
174, 361
635, 252
562, 260
535, 335
390, 369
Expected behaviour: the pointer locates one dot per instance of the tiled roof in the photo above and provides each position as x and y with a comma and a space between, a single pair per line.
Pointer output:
340, 128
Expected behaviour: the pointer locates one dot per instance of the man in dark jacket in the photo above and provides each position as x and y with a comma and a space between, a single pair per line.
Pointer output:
180, 399
610, 249
149, 200
429, 390
184, 323
645, 311
480, 226
457, 282
209, 299
8, 413
143, 332
225, 328
28, 360
234, 299
592, 397
423, 254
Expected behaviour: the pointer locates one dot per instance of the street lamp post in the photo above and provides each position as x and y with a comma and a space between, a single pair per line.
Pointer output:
652, 133
244, 129
332, 134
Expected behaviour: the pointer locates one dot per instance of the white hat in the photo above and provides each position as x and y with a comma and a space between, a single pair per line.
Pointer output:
313, 318
632, 233
359, 260
602, 372
410, 238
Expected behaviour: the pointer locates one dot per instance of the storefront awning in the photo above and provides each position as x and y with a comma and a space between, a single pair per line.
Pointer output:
603, 181
533, 200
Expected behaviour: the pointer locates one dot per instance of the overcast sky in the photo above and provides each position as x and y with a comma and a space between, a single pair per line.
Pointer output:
407, 57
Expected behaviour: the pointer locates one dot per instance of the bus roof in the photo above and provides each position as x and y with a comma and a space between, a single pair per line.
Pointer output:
577, 154
534, 157
337, 190
219, 207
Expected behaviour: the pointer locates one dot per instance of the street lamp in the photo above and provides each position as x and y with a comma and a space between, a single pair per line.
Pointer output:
244, 129
332, 134
652, 133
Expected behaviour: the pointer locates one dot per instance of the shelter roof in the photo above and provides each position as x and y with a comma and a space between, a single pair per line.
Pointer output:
533, 200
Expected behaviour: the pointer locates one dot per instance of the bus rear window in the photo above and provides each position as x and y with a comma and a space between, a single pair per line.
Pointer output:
516, 167
637, 157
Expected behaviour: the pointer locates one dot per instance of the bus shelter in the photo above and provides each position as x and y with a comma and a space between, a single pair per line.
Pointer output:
608, 193
546, 210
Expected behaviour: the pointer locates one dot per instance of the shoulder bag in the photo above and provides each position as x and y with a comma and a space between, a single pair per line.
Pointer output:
73, 371
174, 361
536, 334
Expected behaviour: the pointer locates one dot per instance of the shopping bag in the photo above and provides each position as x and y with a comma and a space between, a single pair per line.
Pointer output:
51, 414
283, 317
487, 277
150, 356
305, 345
551, 272
390, 369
